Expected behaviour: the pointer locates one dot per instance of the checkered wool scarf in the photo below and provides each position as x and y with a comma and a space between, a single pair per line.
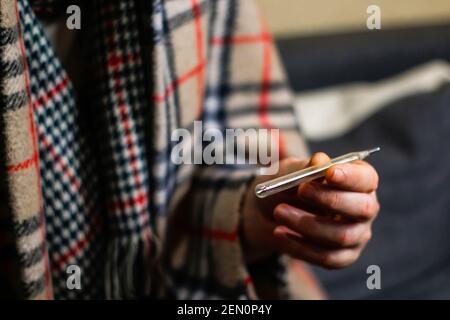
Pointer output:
87, 178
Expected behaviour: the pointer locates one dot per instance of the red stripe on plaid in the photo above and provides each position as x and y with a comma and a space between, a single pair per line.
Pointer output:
73, 179
248, 280
115, 60
141, 199
265, 86
128, 135
214, 234
219, 234
177, 82
266, 40
266, 79
53, 92
71, 253
125, 123
76, 248
199, 42
243, 39
48, 287
198, 69
23, 165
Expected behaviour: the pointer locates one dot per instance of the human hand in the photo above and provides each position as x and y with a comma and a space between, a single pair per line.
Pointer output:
327, 223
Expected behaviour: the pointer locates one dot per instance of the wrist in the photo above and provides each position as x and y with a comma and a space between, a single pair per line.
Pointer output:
256, 231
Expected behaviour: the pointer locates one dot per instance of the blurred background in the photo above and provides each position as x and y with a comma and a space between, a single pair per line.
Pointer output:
357, 88
307, 17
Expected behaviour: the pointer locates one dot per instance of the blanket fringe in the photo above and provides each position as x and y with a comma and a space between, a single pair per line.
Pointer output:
128, 270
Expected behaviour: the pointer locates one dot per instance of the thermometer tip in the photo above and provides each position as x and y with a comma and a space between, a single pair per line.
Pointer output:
374, 150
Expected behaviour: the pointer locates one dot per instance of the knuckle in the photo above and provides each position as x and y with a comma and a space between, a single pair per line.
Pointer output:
339, 174
334, 200
370, 207
344, 173
300, 223
345, 237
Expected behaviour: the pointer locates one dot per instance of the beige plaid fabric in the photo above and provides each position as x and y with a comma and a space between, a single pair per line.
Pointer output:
20, 168
212, 61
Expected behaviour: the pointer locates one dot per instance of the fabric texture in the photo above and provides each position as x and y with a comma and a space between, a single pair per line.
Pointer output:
22, 201
89, 179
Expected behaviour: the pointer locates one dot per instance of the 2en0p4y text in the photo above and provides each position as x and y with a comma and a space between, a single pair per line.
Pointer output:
225, 309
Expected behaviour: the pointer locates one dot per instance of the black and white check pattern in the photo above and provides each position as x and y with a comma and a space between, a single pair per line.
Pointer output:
69, 184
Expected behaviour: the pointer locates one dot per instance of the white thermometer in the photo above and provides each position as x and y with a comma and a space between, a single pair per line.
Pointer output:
288, 181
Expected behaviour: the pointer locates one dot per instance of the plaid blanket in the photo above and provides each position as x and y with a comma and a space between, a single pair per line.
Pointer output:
87, 178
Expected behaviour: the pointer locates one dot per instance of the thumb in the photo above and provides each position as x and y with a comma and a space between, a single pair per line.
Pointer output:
319, 158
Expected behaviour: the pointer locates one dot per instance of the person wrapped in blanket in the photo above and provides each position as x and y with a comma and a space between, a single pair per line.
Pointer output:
90, 188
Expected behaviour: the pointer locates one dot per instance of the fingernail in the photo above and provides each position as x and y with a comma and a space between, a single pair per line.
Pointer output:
338, 174
308, 191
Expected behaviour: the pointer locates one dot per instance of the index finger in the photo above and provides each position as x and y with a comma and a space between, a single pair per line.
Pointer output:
358, 176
